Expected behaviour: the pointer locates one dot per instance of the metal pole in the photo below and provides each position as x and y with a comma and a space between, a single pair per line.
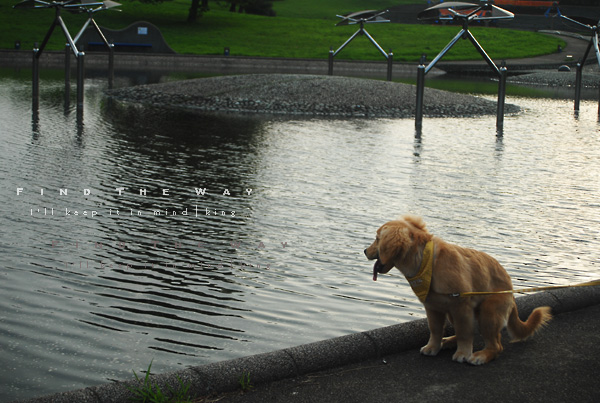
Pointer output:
390, 60
360, 31
111, 49
48, 35
67, 35
111, 65
597, 49
37, 52
80, 77
578, 86
67, 65
36, 78
501, 98
596, 46
482, 52
83, 28
330, 61
445, 50
420, 90
67, 75
374, 42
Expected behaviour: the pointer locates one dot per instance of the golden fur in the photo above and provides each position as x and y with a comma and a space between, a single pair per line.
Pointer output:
400, 244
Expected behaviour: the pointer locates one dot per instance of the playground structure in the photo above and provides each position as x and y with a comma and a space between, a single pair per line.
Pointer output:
593, 27
464, 13
73, 6
361, 18
547, 5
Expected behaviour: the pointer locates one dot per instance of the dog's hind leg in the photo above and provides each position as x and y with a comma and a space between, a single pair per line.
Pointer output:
450, 341
493, 315
436, 321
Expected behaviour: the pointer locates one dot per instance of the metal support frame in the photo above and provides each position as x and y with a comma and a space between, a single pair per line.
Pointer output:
422, 70
77, 6
594, 28
355, 18
37, 53
67, 75
110, 46
501, 72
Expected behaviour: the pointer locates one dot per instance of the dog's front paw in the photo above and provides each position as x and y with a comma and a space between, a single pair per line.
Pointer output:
430, 350
460, 356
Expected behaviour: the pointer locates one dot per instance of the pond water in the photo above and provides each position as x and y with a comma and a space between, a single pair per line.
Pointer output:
185, 239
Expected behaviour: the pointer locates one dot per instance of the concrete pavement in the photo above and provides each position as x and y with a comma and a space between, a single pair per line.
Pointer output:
559, 364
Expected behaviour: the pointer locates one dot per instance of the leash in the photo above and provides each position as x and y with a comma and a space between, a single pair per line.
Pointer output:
535, 289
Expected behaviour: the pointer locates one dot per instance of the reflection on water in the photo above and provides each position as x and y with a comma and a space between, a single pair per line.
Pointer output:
187, 238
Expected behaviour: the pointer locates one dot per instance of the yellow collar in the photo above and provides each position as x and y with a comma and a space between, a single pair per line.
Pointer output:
421, 282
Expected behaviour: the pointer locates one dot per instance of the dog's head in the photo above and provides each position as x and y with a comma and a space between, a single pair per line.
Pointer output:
394, 241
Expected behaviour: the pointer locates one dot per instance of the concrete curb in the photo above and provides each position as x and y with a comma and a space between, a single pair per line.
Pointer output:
224, 376
209, 64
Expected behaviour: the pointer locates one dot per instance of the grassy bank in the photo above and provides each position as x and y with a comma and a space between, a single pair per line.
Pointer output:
302, 29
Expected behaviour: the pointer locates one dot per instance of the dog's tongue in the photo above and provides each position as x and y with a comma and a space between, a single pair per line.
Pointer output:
375, 271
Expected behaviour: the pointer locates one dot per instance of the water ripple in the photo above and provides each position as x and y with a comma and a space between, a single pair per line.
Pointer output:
184, 279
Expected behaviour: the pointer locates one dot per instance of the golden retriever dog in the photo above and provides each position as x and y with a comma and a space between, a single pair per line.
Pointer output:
407, 245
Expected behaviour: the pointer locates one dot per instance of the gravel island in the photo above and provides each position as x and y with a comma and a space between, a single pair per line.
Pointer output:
309, 95
589, 79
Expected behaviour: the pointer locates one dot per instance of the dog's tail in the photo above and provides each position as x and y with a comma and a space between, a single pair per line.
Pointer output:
519, 330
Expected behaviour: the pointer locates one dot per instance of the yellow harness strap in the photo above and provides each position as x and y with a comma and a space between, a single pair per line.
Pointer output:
421, 282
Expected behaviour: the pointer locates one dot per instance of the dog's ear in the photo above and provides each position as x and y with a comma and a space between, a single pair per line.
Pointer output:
416, 222
393, 241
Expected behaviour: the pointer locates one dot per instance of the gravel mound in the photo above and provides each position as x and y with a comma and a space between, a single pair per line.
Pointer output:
589, 79
306, 95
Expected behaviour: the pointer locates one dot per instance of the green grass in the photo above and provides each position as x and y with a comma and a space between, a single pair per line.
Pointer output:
151, 393
245, 382
302, 29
